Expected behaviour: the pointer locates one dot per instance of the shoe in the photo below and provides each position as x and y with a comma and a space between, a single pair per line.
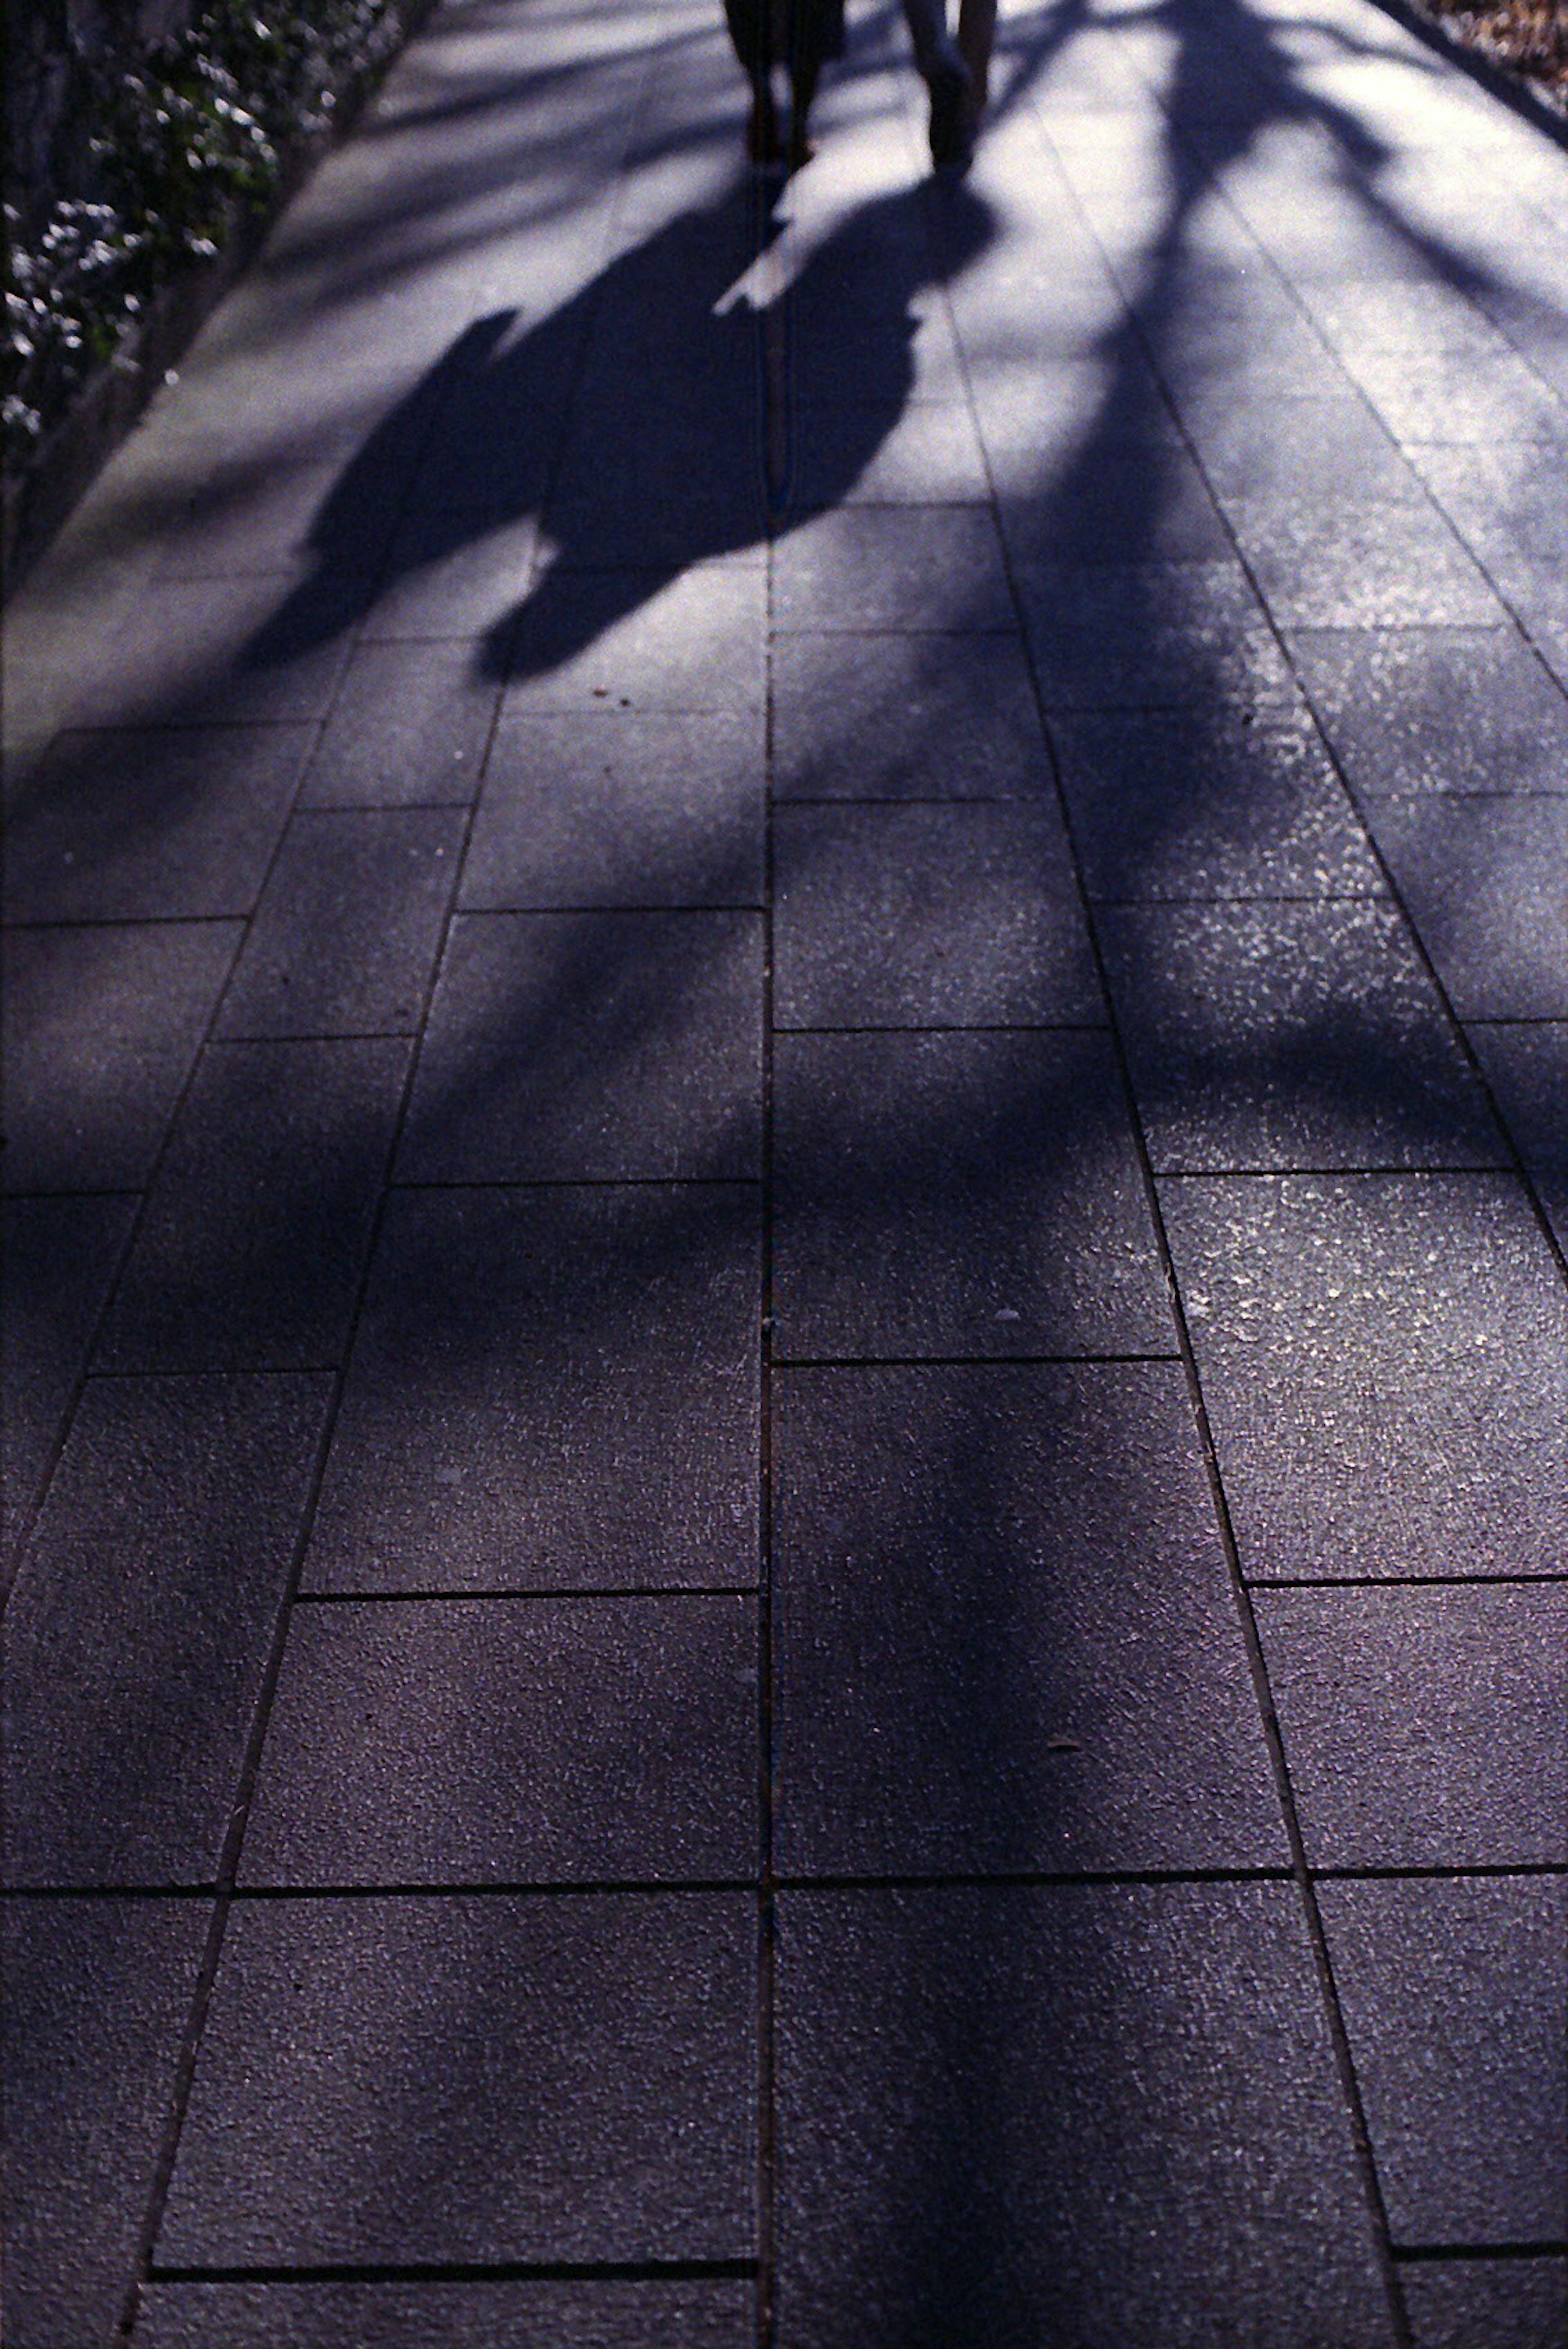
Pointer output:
952, 138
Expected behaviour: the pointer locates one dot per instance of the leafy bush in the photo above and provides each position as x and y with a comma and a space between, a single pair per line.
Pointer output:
184, 144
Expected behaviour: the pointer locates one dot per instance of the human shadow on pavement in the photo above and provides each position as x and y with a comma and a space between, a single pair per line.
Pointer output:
677, 380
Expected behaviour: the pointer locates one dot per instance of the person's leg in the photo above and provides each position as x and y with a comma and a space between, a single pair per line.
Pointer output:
802, 89
762, 143
945, 75
976, 27
749, 35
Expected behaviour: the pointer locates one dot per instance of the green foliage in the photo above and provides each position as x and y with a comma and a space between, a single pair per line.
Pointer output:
185, 144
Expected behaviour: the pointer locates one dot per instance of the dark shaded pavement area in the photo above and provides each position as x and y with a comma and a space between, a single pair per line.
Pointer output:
787, 1160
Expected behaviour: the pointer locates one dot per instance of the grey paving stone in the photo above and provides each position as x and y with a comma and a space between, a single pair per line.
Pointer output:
171, 822
1425, 1727
905, 717
1527, 1068
1468, 396
861, 452
959, 1194
223, 652
639, 640
927, 916
1167, 806
1006, 1639
473, 2080
256, 1230
890, 567
1266, 1036
1505, 500
409, 727
582, 2313
1483, 882
1252, 353
1076, 2113
1384, 1363
1421, 319
551, 1390
1354, 563
344, 940
101, 1025
620, 808
595, 1047
1453, 1993
452, 576
861, 334
1143, 636
1043, 421
96, 1999
141, 1622
59, 1258
1277, 443
511, 1741
1117, 502
663, 457
1445, 709
1488, 2304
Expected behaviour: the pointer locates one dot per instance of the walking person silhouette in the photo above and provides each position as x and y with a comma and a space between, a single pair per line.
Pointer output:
802, 35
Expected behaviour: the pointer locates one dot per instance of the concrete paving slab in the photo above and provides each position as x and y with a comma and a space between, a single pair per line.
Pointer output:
1504, 500
1472, 395
248, 650
255, 1232
1264, 1036
409, 728
163, 824
1346, 563
1453, 1990
1393, 1347
1440, 709
579, 2313
928, 917
1282, 444
102, 1023
1527, 1068
141, 1623
453, 578
620, 808
639, 640
97, 1994
1426, 1726
1482, 878
1006, 1639
891, 567
60, 1258
1487, 2303
1146, 635
1040, 419
473, 2080
884, 716
480, 437
599, 1047
344, 939
959, 2067
1167, 807
862, 453
511, 1741
1119, 501
936, 1196
551, 1390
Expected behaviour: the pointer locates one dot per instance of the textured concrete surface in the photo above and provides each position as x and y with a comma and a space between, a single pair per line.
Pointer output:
785, 1336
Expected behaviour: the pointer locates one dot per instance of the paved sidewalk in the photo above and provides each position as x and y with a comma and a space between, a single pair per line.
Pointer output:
787, 1059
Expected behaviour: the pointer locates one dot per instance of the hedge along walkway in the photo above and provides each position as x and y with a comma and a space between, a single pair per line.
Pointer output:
786, 1277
